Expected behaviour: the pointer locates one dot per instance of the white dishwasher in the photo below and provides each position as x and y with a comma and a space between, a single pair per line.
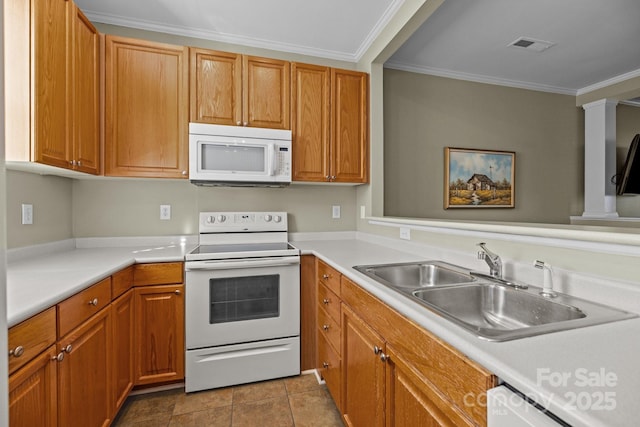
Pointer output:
508, 409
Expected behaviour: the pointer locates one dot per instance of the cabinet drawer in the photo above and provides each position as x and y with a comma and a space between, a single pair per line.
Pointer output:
329, 276
81, 306
330, 369
329, 302
121, 282
329, 329
27, 339
162, 273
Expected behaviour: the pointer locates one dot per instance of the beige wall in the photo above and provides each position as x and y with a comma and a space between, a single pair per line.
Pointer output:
51, 200
107, 208
423, 114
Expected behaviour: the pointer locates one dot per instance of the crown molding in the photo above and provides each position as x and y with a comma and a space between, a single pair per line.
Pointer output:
614, 80
218, 36
478, 78
378, 28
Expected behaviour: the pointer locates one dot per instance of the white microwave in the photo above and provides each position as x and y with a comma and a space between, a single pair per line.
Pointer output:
239, 156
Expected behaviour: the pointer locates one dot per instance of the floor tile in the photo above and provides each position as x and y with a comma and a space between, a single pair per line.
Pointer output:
156, 407
258, 391
314, 409
202, 400
273, 412
301, 383
217, 417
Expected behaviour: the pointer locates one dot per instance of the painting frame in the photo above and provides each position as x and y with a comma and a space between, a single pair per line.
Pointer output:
482, 189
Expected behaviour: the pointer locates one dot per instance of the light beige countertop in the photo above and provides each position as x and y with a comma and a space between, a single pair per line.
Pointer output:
588, 358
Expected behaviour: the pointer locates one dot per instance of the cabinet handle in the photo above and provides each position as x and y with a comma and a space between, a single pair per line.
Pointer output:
59, 357
16, 352
384, 357
325, 365
325, 327
93, 302
325, 301
67, 349
376, 350
325, 276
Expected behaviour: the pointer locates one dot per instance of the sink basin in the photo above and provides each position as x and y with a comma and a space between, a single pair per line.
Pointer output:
492, 309
414, 275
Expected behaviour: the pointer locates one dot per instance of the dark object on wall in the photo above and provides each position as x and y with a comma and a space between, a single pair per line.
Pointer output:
629, 178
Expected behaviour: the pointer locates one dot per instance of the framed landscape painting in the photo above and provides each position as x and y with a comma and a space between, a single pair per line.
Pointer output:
479, 178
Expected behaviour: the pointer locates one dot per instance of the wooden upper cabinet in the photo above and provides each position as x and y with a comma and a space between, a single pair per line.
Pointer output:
266, 92
310, 122
85, 60
350, 126
51, 84
146, 109
216, 87
236, 90
330, 124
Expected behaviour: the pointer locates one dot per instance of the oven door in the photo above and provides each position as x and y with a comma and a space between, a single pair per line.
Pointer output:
241, 300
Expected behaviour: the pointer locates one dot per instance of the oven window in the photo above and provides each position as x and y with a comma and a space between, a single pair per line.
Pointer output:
244, 298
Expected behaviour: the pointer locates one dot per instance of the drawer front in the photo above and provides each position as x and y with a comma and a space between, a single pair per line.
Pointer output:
121, 282
328, 276
329, 329
81, 306
162, 273
330, 369
330, 302
27, 339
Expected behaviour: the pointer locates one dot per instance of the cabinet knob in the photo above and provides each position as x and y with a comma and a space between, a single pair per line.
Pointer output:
325, 365
333, 178
325, 327
325, 276
16, 352
72, 162
376, 350
59, 357
245, 124
328, 177
238, 123
93, 302
384, 357
79, 163
184, 173
177, 292
67, 349
325, 301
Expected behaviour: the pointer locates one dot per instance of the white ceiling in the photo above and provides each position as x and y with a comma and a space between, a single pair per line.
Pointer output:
597, 41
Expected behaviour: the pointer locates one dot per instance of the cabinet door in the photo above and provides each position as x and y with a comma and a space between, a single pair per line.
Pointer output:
85, 94
32, 392
411, 400
308, 307
159, 334
310, 122
216, 87
350, 126
50, 29
146, 109
122, 334
362, 372
266, 93
84, 376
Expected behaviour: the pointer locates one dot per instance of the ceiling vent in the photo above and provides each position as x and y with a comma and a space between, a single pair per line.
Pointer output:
531, 44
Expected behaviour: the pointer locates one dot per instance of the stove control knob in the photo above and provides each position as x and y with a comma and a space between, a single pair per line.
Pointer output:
277, 218
267, 218
221, 218
211, 219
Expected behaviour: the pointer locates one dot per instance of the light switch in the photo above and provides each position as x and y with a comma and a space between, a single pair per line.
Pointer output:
335, 212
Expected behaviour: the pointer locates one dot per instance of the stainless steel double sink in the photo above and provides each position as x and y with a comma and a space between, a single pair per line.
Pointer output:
492, 309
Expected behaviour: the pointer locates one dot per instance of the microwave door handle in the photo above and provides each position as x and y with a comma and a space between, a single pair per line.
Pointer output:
271, 163
240, 263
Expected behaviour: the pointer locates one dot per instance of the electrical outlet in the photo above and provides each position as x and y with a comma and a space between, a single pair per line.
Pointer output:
27, 214
363, 212
165, 212
405, 233
335, 214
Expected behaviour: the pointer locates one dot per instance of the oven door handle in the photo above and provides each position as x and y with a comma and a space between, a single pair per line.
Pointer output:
241, 263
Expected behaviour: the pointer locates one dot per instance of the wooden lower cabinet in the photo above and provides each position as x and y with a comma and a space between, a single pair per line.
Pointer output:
159, 334
33, 392
122, 318
84, 375
362, 372
308, 294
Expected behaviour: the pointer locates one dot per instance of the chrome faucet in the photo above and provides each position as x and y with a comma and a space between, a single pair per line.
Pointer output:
492, 259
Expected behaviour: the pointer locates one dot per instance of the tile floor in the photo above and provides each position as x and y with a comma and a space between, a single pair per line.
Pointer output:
295, 401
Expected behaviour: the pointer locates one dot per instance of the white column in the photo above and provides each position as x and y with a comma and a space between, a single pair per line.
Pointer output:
600, 159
